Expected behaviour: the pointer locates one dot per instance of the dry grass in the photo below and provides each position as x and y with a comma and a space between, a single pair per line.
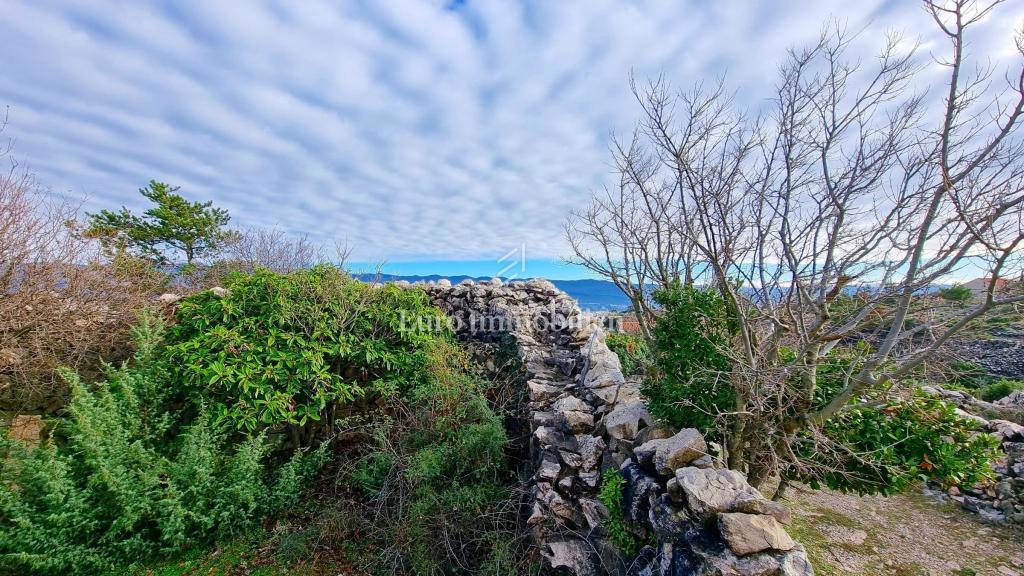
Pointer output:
908, 534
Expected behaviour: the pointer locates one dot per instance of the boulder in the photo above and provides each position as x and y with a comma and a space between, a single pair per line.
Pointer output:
220, 292
668, 454
708, 492
750, 533
627, 419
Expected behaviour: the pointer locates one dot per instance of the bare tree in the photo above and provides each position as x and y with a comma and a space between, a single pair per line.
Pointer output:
61, 304
831, 217
274, 250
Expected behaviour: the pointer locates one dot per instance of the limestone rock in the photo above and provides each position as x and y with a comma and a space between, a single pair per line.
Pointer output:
1014, 400
572, 555
1006, 431
590, 449
220, 292
627, 419
570, 404
575, 422
763, 506
168, 299
640, 490
668, 454
750, 533
709, 492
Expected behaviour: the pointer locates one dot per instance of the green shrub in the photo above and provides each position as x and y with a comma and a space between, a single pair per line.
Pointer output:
633, 352
282, 348
691, 338
884, 450
438, 471
999, 389
968, 375
125, 477
956, 293
610, 494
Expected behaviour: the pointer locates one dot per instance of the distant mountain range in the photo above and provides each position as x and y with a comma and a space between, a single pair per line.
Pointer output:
592, 295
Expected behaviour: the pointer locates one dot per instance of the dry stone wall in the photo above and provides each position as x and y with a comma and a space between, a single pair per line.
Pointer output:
586, 417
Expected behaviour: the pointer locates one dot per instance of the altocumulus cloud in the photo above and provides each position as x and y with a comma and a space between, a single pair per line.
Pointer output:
411, 129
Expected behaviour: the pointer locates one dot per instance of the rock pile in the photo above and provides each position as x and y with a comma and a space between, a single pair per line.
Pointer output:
1003, 501
587, 418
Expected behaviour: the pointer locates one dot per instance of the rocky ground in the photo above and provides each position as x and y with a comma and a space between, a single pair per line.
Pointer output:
902, 535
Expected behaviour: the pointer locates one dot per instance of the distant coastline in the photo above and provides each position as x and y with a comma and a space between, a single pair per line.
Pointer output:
592, 295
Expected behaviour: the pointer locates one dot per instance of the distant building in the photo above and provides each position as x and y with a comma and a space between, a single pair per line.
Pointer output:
979, 286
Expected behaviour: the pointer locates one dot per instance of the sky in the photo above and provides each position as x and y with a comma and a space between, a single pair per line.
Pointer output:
426, 134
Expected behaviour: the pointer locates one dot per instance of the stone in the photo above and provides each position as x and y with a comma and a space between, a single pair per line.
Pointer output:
1006, 431
590, 449
652, 433
168, 298
626, 420
763, 506
541, 391
27, 428
666, 519
705, 461
549, 469
550, 436
554, 502
639, 491
1014, 400
593, 511
668, 454
972, 417
570, 404
708, 492
571, 459
575, 422
220, 292
590, 479
749, 533
601, 378
572, 555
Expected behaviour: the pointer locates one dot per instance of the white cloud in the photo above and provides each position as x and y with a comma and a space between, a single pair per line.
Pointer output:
411, 129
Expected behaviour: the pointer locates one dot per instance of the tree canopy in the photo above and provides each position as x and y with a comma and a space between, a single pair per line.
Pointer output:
172, 229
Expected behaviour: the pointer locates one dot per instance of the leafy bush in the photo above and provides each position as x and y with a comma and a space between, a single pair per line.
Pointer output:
868, 450
437, 471
956, 293
282, 348
124, 477
610, 494
633, 352
999, 389
883, 451
691, 338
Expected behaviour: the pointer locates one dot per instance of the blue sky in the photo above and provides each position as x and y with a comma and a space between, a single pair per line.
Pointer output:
415, 131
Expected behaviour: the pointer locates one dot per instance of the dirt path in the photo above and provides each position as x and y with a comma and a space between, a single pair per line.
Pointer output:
905, 535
